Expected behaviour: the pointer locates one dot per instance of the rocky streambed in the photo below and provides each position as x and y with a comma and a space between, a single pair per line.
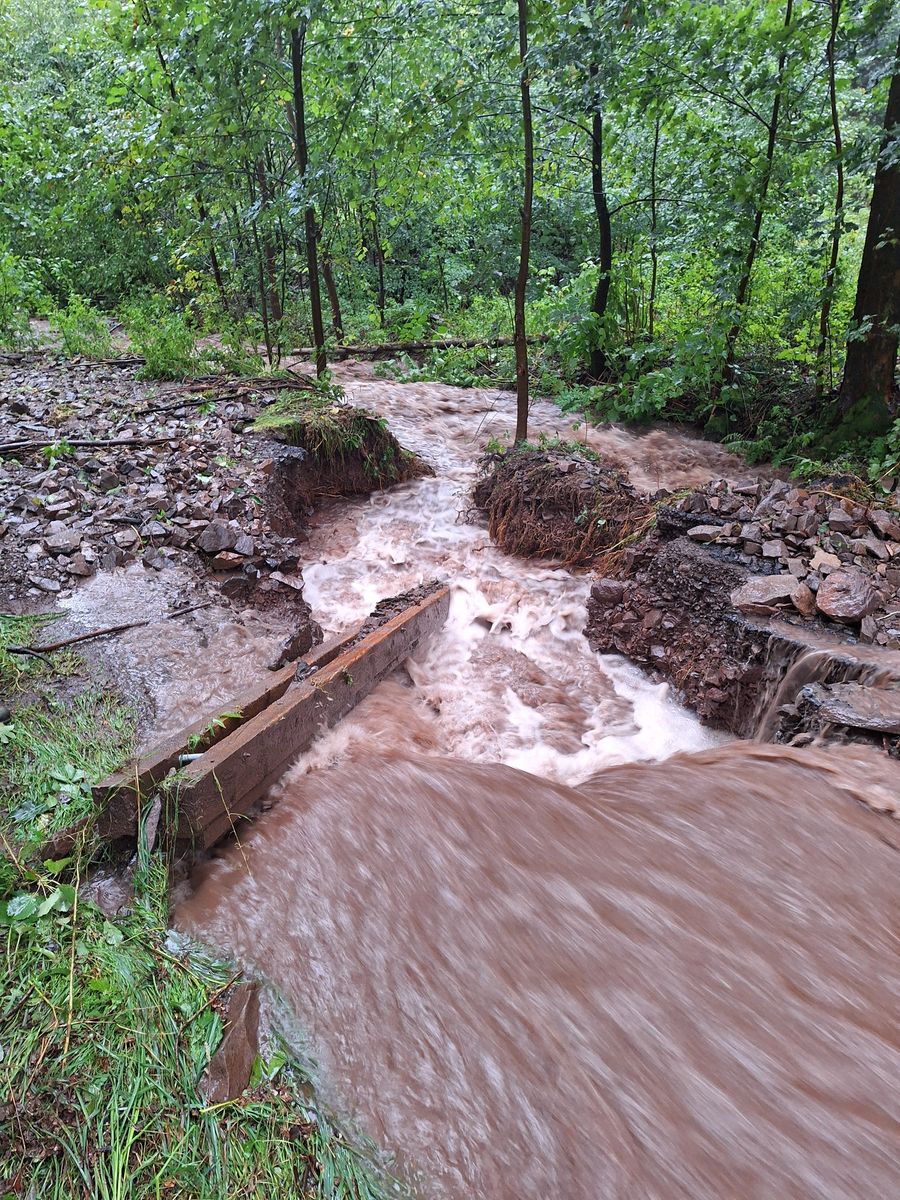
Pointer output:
739, 583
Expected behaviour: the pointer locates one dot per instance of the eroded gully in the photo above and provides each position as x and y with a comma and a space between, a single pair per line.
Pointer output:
528, 960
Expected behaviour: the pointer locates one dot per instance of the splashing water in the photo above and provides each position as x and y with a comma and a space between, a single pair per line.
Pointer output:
675, 982
511, 677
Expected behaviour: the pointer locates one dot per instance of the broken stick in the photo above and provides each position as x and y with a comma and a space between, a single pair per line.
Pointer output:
37, 651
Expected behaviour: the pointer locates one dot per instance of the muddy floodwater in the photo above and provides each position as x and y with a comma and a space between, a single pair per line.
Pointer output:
533, 953
678, 981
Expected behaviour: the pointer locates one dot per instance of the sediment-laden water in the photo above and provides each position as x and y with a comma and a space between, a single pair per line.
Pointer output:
609, 972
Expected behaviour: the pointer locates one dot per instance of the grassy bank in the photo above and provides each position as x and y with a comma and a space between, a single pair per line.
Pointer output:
106, 1025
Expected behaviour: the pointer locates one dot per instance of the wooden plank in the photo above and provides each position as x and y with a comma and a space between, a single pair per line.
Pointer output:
279, 720
222, 786
118, 795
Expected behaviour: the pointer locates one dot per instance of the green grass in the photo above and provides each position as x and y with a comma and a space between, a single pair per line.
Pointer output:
106, 1025
106, 1028
335, 433
325, 425
16, 670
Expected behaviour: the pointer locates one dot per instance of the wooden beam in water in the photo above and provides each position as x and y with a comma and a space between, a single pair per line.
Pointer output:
278, 721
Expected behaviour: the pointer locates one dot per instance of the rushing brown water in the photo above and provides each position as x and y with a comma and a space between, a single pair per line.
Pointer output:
679, 980
608, 977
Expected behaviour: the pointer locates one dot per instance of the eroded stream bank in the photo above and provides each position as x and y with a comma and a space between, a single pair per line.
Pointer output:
601, 978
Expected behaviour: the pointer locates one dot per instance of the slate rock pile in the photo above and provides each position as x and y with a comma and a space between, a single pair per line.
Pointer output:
197, 498
812, 552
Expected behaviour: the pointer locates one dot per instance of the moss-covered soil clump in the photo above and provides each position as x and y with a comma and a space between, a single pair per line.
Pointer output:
338, 450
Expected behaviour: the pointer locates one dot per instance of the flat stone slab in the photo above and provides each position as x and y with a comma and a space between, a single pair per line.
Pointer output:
762, 592
857, 706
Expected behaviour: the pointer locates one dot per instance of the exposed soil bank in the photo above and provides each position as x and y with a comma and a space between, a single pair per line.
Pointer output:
694, 600
556, 503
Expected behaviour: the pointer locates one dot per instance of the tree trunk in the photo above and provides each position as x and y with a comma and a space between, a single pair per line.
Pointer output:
274, 299
866, 391
378, 256
263, 302
600, 299
521, 344
334, 301
213, 256
654, 256
743, 287
301, 153
828, 290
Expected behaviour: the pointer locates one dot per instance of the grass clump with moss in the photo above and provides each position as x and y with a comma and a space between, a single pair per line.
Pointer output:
108, 1023
348, 451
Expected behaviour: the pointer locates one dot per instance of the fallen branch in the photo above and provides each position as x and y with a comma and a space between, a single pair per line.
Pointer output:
375, 350
37, 651
215, 389
9, 448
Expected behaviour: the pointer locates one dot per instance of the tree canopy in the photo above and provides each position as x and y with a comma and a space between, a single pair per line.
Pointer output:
703, 175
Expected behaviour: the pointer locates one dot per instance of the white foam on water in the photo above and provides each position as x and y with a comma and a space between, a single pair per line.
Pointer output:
510, 678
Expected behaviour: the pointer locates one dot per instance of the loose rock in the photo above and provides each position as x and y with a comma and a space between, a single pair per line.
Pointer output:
847, 595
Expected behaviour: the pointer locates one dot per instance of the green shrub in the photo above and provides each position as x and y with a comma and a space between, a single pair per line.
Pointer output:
82, 329
236, 352
163, 337
884, 458
16, 296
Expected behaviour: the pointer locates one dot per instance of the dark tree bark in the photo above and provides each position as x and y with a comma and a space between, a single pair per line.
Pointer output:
600, 299
378, 256
654, 254
301, 153
521, 344
334, 300
213, 255
265, 197
743, 288
263, 298
866, 396
831, 270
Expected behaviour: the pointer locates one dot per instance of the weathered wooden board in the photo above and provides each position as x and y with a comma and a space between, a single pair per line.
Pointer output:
139, 779
223, 784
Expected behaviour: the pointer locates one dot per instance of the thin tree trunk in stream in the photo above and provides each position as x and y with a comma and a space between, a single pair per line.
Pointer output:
600, 299
828, 291
521, 345
654, 255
